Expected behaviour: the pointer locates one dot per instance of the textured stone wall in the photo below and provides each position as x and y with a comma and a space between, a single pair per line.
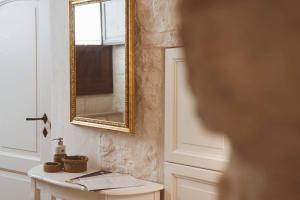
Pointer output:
142, 154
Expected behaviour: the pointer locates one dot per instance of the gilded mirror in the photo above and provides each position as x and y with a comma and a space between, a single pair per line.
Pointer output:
102, 64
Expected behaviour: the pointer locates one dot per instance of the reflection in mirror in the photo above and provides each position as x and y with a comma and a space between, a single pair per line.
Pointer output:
100, 60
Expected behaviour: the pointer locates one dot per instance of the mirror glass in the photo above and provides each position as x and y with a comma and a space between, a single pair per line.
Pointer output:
100, 59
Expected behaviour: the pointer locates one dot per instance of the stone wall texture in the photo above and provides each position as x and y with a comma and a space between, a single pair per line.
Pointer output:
141, 154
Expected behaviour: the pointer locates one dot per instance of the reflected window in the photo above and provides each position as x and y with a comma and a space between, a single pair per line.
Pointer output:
88, 33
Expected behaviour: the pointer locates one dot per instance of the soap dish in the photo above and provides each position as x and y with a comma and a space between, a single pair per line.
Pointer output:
75, 164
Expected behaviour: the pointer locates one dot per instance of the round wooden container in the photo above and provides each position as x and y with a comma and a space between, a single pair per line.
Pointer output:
75, 164
52, 167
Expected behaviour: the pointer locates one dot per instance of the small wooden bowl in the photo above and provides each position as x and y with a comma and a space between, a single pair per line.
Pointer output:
52, 167
75, 164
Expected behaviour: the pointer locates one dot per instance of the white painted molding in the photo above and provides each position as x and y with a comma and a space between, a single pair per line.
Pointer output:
4, 2
200, 150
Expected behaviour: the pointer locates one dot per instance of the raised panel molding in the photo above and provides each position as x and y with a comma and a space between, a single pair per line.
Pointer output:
14, 186
18, 64
18, 162
186, 141
184, 182
4, 2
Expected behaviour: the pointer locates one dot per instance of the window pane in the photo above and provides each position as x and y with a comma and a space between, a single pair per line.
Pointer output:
88, 24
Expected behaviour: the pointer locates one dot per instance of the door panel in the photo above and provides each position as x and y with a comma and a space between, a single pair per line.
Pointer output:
186, 139
18, 68
17, 161
183, 182
14, 186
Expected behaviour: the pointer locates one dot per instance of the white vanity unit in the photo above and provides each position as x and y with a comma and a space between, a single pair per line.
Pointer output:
56, 185
194, 158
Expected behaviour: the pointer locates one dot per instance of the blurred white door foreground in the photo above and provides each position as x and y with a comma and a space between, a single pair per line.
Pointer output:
24, 92
195, 158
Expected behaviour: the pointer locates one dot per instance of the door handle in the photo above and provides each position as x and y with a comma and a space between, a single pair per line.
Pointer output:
44, 119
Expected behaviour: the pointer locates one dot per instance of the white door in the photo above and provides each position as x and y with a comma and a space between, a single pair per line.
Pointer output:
24, 92
187, 142
195, 158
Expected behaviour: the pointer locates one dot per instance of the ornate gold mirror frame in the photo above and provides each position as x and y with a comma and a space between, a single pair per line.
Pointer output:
129, 123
